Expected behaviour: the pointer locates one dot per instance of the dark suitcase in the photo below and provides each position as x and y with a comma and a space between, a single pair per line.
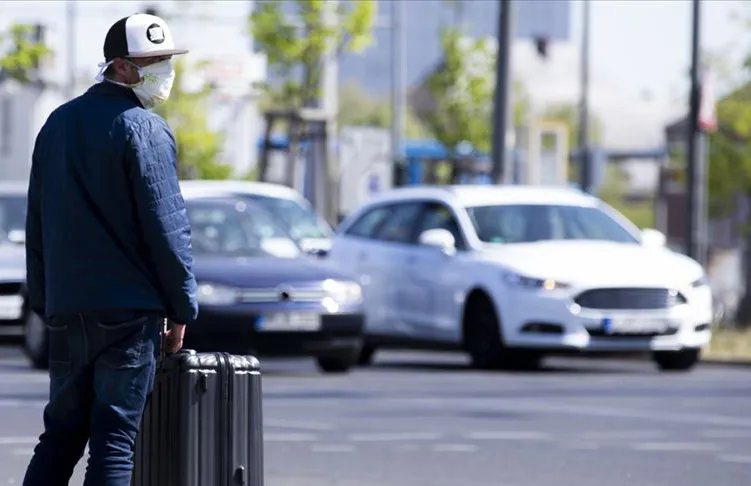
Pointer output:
202, 425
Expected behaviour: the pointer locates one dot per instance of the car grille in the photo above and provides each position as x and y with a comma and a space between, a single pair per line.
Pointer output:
630, 299
257, 296
11, 288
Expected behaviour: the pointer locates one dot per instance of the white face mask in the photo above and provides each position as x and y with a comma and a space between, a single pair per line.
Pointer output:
155, 85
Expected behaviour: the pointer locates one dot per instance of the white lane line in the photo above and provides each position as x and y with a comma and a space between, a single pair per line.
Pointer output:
22, 452
455, 448
507, 435
676, 446
299, 425
394, 436
7, 440
736, 458
407, 448
581, 446
272, 437
623, 435
10, 403
332, 448
725, 434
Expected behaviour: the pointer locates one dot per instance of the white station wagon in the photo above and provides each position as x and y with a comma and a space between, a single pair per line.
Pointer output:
510, 274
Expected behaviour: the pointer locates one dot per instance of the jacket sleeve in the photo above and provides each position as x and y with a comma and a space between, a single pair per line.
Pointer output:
152, 155
35, 280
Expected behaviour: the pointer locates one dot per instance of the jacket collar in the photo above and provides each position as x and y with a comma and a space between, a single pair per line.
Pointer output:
106, 88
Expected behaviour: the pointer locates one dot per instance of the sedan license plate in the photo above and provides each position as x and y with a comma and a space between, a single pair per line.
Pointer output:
11, 307
636, 325
289, 321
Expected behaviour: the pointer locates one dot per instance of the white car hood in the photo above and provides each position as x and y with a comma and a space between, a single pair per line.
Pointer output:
596, 263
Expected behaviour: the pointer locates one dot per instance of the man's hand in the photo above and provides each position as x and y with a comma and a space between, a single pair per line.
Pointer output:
173, 338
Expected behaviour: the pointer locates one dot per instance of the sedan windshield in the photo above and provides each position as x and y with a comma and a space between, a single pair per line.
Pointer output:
12, 217
300, 222
530, 223
237, 231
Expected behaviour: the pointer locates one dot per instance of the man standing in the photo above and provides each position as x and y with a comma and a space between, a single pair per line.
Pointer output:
108, 256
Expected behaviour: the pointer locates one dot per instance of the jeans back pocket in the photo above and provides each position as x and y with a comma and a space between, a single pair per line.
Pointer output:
124, 341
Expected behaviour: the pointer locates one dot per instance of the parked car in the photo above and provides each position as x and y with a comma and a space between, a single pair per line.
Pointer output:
511, 274
13, 212
293, 211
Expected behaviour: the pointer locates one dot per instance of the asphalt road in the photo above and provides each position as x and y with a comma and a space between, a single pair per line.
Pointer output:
416, 419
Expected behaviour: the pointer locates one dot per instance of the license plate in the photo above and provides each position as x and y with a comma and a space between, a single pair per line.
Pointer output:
289, 321
636, 325
11, 307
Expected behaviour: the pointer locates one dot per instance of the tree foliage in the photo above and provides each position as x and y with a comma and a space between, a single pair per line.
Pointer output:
21, 53
356, 108
198, 147
297, 46
462, 92
568, 114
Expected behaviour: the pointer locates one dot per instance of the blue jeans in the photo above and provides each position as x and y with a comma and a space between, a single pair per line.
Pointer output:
101, 368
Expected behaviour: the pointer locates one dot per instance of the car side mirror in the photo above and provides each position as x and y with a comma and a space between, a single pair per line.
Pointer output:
652, 238
440, 239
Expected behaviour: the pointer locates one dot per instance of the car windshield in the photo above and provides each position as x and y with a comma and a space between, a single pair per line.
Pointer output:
299, 221
12, 217
533, 222
223, 229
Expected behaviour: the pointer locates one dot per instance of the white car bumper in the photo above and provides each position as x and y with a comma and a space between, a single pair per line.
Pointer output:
553, 321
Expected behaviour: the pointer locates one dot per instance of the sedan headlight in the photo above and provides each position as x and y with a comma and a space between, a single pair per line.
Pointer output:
531, 283
342, 292
214, 294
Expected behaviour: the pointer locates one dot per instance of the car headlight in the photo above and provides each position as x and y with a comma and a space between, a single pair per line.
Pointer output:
700, 282
342, 292
214, 294
521, 281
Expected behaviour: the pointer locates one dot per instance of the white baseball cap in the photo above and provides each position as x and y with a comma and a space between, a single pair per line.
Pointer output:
139, 35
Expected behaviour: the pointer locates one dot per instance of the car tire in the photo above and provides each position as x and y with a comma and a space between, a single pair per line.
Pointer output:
337, 363
682, 360
366, 356
36, 341
482, 337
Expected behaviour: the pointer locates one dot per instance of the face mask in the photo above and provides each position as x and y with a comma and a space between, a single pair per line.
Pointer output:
156, 83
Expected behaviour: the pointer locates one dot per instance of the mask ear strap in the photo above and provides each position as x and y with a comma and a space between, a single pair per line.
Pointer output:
102, 67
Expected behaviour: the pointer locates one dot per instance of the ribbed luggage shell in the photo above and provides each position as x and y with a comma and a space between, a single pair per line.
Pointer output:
203, 423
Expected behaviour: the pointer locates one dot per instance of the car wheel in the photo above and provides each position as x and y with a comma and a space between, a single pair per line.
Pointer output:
35, 341
338, 363
682, 360
482, 337
366, 356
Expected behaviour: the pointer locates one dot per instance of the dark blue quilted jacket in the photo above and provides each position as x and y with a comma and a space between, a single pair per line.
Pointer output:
107, 226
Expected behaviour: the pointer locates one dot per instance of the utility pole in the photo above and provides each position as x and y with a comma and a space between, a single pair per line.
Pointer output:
585, 161
694, 178
70, 84
398, 83
503, 121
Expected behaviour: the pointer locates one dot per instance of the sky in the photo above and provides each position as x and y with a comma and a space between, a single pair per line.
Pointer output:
640, 49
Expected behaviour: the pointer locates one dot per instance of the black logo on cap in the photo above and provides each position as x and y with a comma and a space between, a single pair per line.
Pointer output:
155, 34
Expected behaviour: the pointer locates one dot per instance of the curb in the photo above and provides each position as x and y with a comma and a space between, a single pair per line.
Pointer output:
727, 362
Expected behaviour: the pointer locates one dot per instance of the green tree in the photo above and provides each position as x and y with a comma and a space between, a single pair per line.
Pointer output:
569, 115
22, 55
356, 108
461, 91
297, 47
198, 147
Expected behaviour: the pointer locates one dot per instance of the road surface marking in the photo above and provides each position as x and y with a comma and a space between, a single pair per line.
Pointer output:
726, 434
18, 440
332, 448
734, 458
395, 436
293, 424
623, 435
272, 437
507, 435
455, 448
581, 446
676, 446
22, 452
9, 403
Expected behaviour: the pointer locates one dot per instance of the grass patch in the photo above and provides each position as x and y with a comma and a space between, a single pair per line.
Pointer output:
728, 344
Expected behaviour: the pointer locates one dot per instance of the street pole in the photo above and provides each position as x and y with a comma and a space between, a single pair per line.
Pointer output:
693, 184
502, 112
398, 83
585, 169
